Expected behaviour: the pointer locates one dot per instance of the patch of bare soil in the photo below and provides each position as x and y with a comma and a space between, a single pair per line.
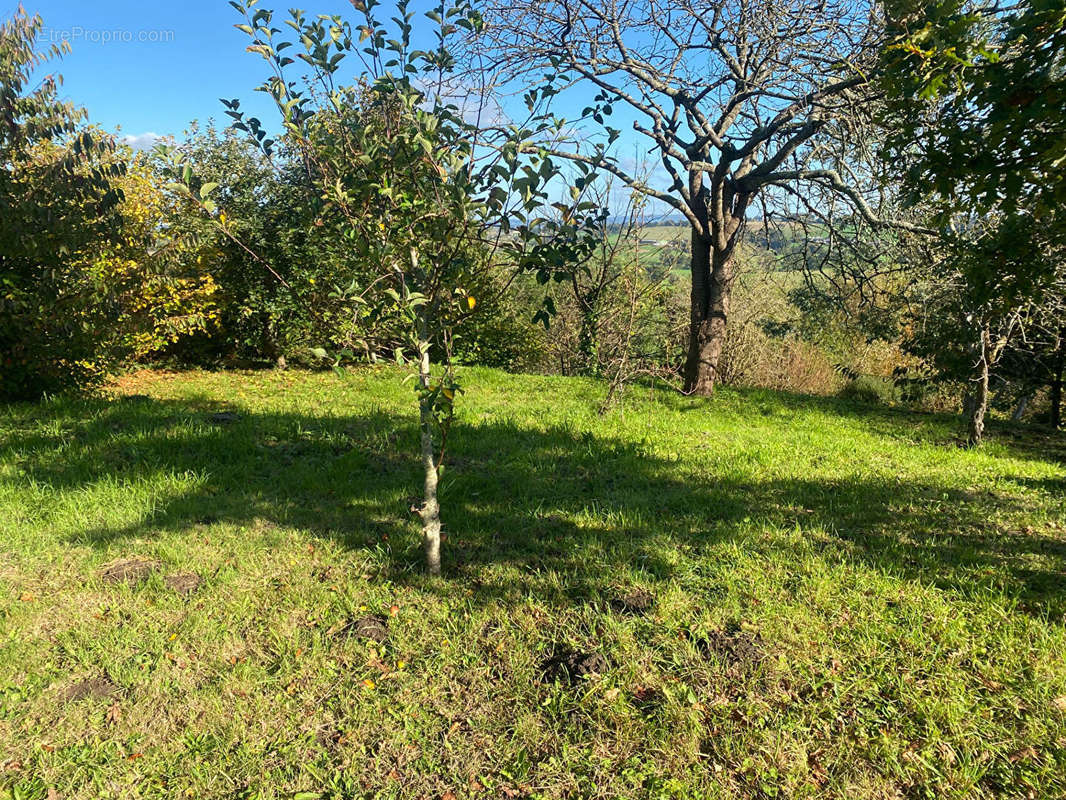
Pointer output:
634, 602
737, 648
130, 571
100, 686
184, 583
571, 666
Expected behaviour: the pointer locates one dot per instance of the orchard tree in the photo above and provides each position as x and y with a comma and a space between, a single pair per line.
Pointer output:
397, 173
974, 110
974, 102
995, 290
743, 105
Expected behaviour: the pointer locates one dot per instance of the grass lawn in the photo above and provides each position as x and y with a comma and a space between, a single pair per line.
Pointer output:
755, 596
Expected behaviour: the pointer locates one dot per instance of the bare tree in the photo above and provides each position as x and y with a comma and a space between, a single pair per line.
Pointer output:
744, 103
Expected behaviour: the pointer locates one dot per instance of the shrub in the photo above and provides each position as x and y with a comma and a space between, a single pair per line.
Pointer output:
156, 276
56, 197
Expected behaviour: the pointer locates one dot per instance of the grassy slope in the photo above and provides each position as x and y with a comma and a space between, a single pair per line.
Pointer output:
907, 597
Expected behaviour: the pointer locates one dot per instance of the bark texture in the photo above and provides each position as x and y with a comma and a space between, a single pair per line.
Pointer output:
430, 512
977, 403
712, 284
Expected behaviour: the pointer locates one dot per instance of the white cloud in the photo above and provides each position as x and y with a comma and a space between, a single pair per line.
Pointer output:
142, 141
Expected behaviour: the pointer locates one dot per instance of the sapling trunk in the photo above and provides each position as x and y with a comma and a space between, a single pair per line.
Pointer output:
977, 403
430, 512
1020, 409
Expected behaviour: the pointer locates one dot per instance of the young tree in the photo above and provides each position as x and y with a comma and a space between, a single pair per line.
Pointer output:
739, 101
399, 175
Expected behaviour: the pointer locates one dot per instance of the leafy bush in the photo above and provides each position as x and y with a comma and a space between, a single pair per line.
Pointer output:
156, 276
56, 198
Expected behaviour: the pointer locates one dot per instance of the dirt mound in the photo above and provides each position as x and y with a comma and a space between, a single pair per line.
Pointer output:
184, 583
130, 571
572, 667
634, 602
737, 648
100, 686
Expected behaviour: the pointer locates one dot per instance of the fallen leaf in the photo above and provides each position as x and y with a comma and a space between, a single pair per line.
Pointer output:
114, 714
1023, 754
1060, 703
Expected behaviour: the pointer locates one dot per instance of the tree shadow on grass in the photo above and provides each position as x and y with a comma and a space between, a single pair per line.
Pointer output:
583, 506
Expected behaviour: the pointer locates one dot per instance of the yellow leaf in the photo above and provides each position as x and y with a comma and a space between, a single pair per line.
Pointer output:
470, 301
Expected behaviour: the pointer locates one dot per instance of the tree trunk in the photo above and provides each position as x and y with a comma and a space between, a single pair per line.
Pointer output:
430, 512
977, 402
589, 336
1056, 381
712, 285
1020, 409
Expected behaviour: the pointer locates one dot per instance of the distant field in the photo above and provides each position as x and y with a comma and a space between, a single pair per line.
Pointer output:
669, 233
210, 587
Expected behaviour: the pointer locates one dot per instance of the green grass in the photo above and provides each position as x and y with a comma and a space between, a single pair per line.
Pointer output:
846, 604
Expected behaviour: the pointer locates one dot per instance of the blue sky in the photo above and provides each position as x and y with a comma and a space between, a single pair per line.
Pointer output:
151, 67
